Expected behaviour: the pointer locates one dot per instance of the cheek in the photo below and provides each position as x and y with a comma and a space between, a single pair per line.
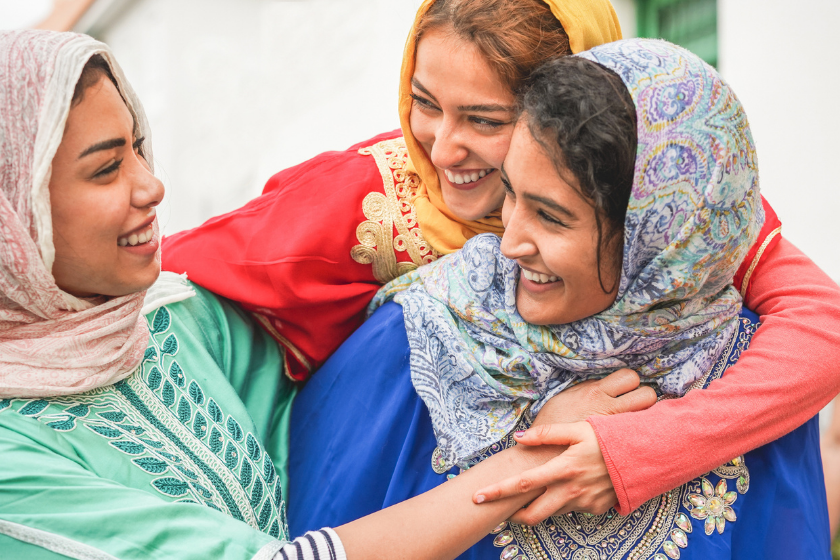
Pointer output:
421, 127
493, 149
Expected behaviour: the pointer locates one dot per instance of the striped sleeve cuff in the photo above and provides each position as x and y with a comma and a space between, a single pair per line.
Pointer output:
314, 545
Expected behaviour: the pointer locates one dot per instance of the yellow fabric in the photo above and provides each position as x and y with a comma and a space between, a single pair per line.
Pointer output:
588, 23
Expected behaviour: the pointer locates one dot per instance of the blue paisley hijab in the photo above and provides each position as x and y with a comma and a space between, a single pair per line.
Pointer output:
693, 214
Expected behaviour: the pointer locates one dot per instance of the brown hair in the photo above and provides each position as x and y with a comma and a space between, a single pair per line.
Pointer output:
95, 68
515, 36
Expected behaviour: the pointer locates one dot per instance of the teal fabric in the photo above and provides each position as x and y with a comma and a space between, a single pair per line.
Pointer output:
172, 462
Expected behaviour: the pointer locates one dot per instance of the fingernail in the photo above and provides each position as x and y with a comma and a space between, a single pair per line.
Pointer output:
520, 433
479, 499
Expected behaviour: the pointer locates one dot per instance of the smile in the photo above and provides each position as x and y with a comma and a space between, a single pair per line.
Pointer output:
464, 178
539, 278
137, 238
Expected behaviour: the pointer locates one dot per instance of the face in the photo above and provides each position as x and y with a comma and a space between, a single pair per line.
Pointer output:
552, 233
103, 198
463, 117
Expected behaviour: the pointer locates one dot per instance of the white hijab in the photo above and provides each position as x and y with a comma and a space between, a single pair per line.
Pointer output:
51, 343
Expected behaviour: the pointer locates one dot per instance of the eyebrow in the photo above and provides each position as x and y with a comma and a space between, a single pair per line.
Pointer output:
489, 108
541, 199
105, 145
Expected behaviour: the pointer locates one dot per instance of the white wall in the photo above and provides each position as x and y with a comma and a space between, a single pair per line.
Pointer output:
781, 59
237, 90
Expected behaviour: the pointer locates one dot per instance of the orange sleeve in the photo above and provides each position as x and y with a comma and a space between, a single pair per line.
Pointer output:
790, 371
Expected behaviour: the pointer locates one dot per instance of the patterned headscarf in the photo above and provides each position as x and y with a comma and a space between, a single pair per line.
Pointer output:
587, 23
693, 213
51, 343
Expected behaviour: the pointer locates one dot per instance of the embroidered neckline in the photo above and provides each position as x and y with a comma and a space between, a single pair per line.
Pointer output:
378, 242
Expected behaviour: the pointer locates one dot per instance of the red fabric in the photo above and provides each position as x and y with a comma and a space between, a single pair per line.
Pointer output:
286, 254
788, 374
771, 224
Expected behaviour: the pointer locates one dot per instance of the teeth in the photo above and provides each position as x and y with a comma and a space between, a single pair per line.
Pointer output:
538, 277
462, 178
136, 238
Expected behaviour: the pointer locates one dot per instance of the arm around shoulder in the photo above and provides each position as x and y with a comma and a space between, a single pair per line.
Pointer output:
789, 372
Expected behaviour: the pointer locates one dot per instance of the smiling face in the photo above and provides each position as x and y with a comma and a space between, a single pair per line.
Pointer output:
552, 233
463, 117
103, 197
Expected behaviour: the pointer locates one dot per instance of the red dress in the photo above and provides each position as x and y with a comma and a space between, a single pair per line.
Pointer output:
307, 255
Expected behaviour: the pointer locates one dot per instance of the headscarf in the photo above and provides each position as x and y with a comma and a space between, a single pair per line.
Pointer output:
51, 343
588, 23
694, 211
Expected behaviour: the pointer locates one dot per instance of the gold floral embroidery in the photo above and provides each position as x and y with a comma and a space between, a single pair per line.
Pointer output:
393, 209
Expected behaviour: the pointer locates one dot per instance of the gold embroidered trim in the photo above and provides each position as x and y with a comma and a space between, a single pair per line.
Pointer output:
394, 209
285, 345
757, 258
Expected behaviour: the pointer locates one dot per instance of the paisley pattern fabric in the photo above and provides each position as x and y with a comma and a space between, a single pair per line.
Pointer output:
694, 211
51, 342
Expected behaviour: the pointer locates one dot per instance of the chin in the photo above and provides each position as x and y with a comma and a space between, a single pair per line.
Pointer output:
470, 206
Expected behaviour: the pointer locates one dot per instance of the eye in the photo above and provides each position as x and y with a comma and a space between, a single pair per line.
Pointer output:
112, 168
508, 189
138, 146
551, 219
488, 124
423, 103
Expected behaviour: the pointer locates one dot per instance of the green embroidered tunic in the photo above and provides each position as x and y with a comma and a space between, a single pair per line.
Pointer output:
185, 458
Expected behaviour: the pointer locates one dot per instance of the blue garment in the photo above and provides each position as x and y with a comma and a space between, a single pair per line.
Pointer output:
362, 440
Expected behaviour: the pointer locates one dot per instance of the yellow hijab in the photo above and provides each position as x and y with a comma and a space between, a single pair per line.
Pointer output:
588, 23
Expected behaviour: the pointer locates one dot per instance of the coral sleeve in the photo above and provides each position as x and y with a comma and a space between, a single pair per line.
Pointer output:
790, 371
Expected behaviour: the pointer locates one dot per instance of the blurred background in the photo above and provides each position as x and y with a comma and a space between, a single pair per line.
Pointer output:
238, 89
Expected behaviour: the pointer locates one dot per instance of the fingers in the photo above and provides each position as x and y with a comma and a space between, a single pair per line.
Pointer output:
545, 506
640, 399
552, 434
619, 382
527, 481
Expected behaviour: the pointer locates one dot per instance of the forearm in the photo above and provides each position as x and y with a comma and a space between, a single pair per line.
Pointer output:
785, 377
443, 522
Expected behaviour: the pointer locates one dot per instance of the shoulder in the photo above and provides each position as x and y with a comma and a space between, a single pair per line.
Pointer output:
348, 167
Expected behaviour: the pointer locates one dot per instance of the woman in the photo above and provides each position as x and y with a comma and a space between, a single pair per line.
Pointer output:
625, 256
126, 436
310, 289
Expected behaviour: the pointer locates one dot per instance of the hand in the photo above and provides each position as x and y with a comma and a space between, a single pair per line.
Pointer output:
616, 393
576, 480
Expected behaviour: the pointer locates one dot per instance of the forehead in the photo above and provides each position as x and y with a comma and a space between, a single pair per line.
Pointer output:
446, 61
530, 169
101, 105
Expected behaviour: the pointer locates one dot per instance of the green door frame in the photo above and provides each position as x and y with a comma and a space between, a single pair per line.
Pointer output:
689, 23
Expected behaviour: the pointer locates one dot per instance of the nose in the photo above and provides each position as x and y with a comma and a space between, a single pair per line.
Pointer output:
517, 240
147, 190
450, 147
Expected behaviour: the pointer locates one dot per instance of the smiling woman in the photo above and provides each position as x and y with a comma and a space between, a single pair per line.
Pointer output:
101, 179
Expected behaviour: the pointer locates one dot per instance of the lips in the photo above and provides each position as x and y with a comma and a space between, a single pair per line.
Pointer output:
143, 234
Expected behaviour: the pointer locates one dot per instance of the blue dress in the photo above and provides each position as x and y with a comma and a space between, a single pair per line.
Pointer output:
362, 440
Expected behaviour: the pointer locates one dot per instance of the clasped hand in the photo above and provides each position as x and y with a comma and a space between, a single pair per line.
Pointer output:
574, 475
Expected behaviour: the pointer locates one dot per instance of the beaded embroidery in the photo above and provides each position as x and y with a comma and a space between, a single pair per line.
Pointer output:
658, 530
175, 432
392, 210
